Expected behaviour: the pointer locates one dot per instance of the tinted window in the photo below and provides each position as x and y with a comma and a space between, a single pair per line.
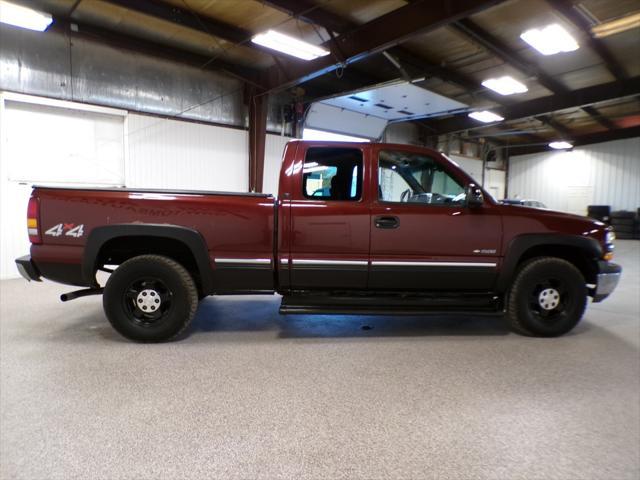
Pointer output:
332, 174
413, 178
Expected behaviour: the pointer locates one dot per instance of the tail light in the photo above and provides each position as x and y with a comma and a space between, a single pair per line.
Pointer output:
33, 220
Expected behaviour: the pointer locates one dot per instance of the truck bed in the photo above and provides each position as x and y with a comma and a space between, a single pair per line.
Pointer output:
237, 228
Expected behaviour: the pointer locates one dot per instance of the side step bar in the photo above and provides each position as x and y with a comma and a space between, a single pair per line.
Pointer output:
396, 305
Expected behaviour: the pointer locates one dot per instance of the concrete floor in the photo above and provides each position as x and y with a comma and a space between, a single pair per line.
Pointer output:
250, 394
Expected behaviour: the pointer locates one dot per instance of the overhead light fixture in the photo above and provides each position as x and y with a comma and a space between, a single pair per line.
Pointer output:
550, 40
505, 85
618, 25
561, 145
289, 45
24, 17
486, 116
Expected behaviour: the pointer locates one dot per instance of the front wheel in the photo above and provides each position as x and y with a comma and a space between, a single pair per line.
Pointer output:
150, 298
547, 299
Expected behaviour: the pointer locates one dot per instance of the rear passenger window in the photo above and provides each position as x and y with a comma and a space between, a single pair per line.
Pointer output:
332, 174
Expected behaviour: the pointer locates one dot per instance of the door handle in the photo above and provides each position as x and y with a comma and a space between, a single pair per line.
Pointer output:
387, 222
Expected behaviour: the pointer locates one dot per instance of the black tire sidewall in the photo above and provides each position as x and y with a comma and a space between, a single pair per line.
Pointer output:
574, 300
168, 272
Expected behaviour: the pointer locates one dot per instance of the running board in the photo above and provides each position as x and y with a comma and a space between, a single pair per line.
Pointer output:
385, 305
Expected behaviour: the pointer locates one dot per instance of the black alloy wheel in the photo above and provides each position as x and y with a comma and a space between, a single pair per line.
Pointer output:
150, 298
547, 299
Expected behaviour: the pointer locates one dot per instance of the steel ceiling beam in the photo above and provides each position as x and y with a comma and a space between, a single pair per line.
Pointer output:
504, 52
599, 137
567, 9
497, 47
544, 105
195, 21
373, 37
312, 13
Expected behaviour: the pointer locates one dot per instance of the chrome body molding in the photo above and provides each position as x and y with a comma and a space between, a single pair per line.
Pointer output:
330, 262
244, 261
384, 263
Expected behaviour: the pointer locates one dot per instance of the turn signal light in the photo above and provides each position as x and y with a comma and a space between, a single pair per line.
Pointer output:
608, 256
33, 216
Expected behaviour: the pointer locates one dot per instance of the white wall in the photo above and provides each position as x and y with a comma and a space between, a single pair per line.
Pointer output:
174, 154
602, 174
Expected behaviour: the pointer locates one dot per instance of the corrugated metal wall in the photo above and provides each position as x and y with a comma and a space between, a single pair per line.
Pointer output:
603, 174
50, 64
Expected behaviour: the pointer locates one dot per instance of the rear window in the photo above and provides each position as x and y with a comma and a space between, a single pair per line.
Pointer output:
332, 174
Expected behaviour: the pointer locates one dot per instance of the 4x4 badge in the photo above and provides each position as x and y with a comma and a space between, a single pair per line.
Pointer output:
68, 229
485, 250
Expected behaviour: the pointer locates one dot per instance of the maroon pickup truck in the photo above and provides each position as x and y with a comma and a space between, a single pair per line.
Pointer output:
357, 228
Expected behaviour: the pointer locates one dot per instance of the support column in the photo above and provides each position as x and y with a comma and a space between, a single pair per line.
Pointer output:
257, 136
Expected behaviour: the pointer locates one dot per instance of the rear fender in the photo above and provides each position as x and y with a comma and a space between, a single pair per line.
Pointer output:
192, 239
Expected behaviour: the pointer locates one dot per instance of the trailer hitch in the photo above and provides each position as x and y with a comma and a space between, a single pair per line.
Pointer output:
65, 297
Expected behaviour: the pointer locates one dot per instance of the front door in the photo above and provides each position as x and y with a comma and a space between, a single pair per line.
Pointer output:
423, 237
329, 218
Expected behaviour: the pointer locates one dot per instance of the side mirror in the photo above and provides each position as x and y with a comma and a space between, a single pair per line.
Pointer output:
474, 196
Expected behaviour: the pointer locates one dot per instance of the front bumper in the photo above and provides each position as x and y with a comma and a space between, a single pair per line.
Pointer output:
607, 279
28, 269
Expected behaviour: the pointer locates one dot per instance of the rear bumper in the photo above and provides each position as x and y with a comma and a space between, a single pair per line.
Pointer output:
28, 269
607, 279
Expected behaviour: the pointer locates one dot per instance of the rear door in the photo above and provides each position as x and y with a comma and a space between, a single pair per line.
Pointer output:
329, 232
423, 237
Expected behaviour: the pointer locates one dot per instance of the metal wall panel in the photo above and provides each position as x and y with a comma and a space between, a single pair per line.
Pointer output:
48, 64
175, 154
609, 172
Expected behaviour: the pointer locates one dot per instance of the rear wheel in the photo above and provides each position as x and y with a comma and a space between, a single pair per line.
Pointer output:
548, 298
150, 298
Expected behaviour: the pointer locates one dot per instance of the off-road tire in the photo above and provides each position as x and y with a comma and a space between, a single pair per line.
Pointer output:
524, 312
176, 292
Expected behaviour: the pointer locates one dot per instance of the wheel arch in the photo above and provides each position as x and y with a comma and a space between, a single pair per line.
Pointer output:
583, 252
117, 243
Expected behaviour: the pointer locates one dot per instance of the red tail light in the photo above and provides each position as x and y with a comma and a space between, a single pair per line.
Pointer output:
33, 220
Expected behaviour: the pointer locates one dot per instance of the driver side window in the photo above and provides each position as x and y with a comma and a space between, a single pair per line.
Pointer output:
405, 177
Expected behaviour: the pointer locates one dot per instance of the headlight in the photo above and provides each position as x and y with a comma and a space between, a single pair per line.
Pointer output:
609, 237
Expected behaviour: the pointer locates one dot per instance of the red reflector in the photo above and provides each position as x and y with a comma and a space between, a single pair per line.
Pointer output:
33, 220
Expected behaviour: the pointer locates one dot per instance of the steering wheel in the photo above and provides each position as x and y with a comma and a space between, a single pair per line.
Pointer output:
404, 196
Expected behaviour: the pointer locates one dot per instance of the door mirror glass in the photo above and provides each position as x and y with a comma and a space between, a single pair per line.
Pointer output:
474, 196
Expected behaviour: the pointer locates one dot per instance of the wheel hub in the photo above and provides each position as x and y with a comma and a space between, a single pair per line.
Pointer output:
549, 298
148, 301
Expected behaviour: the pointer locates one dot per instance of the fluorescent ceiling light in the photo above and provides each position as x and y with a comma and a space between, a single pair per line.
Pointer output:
505, 85
560, 145
486, 116
550, 40
618, 25
24, 17
289, 45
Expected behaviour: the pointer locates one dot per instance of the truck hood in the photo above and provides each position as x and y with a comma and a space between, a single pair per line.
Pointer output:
558, 222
